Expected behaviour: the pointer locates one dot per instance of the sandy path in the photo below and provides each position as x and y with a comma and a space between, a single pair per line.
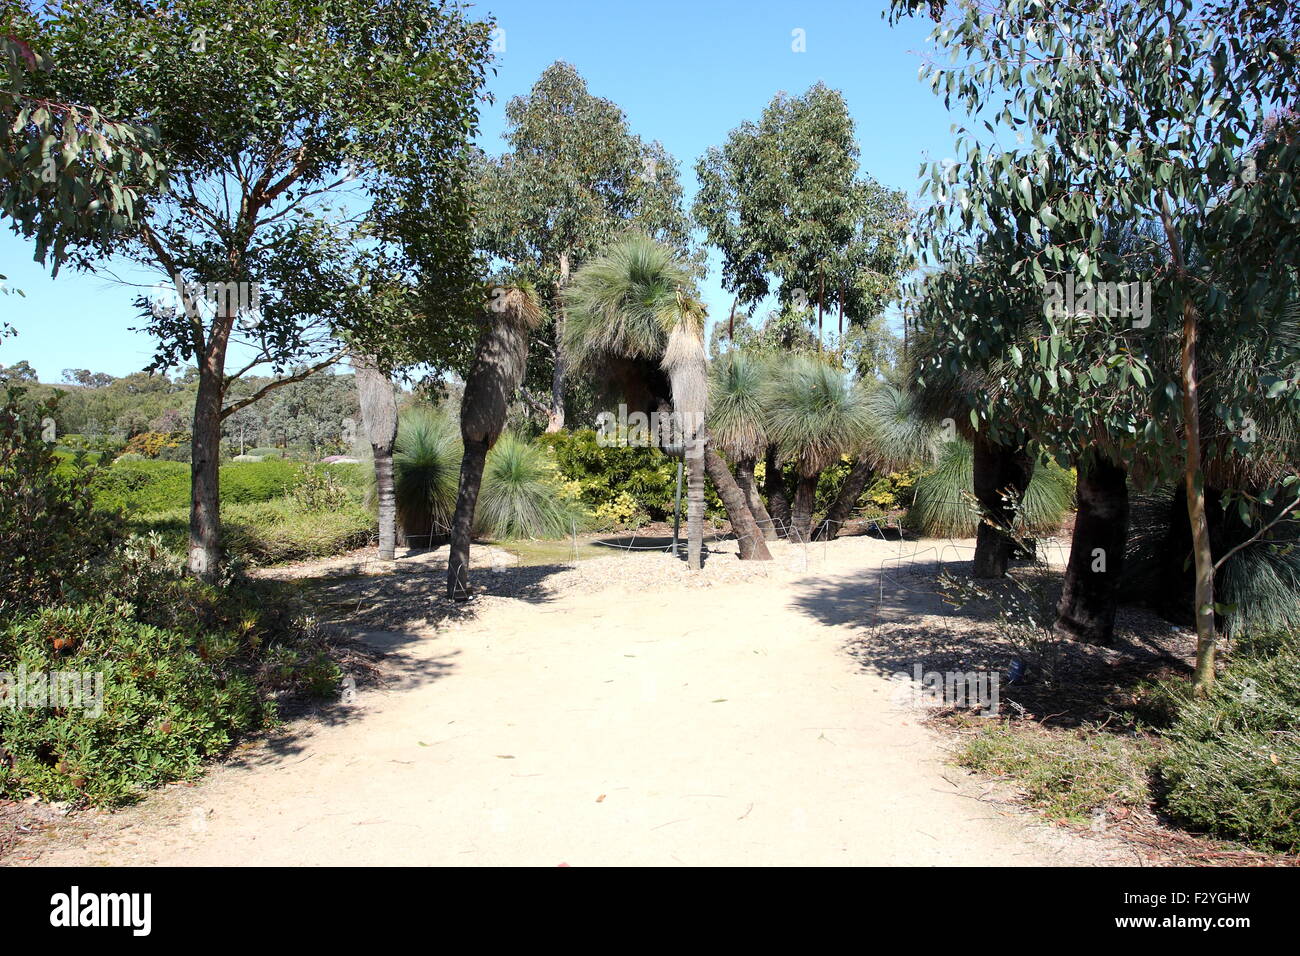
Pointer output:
594, 728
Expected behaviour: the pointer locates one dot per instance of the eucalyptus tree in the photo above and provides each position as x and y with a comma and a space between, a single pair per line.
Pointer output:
636, 324
500, 361
307, 144
815, 414
574, 179
1129, 111
784, 202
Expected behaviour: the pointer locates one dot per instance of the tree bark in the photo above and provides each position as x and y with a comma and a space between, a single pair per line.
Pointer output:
778, 498
752, 545
471, 477
999, 470
379, 417
386, 493
205, 470
748, 485
555, 414
1203, 556
801, 512
855, 482
1086, 611
695, 504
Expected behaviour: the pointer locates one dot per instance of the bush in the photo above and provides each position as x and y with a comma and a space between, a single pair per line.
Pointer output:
168, 703
50, 534
185, 667
522, 495
607, 476
1233, 765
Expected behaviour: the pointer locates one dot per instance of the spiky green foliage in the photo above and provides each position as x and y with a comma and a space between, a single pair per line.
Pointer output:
626, 302
426, 467
944, 506
815, 413
737, 417
900, 436
521, 495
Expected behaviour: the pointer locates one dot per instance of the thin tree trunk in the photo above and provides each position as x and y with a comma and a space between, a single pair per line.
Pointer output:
778, 498
855, 482
999, 470
1086, 611
801, 512
471, 477
695, 504
752, 545
745, 478
555, 415
205, 472
1206, 638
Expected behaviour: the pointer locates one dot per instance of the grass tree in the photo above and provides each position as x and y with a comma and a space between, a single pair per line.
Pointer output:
815, 416
500, 362
635, 323
899, 436
738, 424
426, 463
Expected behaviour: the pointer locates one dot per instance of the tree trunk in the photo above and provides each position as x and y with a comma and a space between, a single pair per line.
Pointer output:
385, 491
855, 482
695, 504
555, 415
778, 498
205, 471
801, 512
752, 545
745, 479
378, 406
999, 470
1206, 638
471, 477
1086, 611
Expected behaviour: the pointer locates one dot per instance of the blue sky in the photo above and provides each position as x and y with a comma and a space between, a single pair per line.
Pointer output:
686, 73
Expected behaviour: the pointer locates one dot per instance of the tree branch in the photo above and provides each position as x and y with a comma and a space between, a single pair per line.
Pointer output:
280, 382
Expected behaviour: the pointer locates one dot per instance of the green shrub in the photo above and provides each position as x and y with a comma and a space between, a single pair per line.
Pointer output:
1233, 764
169, 701
257, 481
522, 495
50, 534
266, 452
605, 474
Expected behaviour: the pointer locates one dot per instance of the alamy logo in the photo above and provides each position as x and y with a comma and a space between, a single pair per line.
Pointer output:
1121, 300
656, 430
75, 908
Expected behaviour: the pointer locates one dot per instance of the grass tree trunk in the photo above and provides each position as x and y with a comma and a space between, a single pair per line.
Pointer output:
999, 470
379, 418
753, 547
778, 498
801, 512
855, 482
695, 504
555, 414
1086, 611
749, 485
471, 478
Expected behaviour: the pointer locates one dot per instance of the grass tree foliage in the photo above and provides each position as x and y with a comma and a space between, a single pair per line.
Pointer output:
574, 179
1127, 112
270, 115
